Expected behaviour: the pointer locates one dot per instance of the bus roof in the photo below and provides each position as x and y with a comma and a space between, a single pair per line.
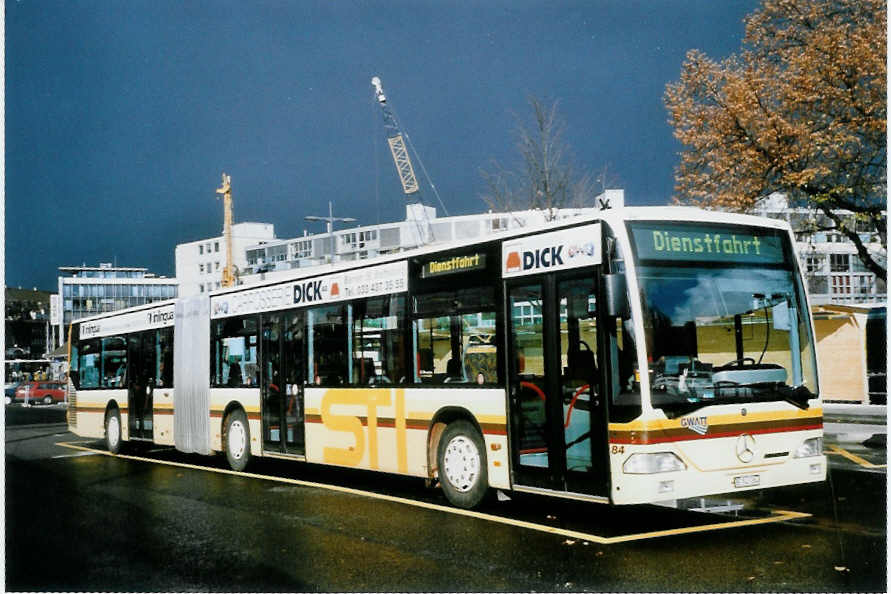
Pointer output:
611, 216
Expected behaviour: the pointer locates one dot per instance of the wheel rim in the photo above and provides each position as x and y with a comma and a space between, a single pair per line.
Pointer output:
461, 463
237, 439
113, 430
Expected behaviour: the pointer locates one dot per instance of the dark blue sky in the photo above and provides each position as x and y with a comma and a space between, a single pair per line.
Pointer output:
121, 115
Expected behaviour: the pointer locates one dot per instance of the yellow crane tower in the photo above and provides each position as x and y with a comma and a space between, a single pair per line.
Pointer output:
228, 279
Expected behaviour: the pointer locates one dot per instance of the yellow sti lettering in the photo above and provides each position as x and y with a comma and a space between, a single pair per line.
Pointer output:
348, 423
370, 400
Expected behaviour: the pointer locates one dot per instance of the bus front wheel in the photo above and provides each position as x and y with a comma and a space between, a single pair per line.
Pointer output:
462, 465
113, 431
237, 440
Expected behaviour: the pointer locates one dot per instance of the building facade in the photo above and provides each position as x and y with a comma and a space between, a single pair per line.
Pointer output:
199, 264
27, 323
828, 260
89, 290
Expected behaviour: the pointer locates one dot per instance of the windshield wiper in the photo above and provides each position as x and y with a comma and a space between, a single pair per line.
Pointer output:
795, 395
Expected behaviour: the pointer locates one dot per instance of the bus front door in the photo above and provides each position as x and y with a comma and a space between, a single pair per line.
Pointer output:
281, 388
558, 423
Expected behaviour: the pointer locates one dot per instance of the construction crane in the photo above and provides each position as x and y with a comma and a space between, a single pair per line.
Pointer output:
396, 142
228, 279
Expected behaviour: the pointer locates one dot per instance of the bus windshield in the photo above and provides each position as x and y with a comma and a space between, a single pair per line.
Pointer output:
725, 317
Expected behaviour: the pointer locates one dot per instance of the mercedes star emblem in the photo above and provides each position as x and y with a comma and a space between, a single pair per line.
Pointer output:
745, 448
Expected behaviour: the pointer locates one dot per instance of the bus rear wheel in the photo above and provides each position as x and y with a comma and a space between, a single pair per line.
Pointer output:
113, 431
237, 440
463, 473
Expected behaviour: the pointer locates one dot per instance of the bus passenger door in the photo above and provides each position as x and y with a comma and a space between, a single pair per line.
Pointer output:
272, 387
584, 415
294, 372
538, 459
140, 380
557, 417
282, 382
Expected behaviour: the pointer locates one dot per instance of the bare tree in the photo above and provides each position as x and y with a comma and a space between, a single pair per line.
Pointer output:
545, 178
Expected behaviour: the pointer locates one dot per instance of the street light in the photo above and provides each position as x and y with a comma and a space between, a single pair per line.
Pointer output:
329, 224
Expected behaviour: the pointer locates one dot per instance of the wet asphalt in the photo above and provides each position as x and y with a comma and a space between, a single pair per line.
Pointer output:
79, 521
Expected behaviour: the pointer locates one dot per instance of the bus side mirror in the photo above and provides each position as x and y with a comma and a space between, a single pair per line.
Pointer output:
616, 295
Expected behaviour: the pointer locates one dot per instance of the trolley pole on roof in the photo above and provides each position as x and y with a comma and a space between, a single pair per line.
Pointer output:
329, 225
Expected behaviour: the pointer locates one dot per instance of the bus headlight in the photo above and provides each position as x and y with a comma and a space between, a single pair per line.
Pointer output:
810, 447
652, 463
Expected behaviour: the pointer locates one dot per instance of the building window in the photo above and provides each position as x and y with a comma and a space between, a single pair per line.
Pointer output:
216, 265
303, 249
200, 250
201, 269
499, 224
814, 263
216, 246
841, 285
839, 262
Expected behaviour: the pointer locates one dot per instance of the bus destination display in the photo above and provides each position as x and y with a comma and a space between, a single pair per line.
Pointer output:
707, 244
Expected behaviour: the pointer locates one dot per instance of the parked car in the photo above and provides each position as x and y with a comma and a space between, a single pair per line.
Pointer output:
40, 392
10, 391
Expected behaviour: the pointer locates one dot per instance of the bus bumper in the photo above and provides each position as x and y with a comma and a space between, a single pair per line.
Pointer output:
681, 484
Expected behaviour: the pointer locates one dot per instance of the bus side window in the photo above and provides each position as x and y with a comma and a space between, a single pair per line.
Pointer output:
625, 403
89, 364
235, 352
73, 366
455, 337
328, 345
164, 358
114, 362
378, 341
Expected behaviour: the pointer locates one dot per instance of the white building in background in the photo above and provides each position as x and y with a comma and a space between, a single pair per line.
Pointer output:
828, 259
199, 264
90, 290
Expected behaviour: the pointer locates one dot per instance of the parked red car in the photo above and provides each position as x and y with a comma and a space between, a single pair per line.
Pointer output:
40, 392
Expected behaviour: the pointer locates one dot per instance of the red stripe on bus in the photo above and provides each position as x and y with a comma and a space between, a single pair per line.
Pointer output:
644, 438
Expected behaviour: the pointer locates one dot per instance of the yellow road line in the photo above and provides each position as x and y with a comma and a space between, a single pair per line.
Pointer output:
855, 458
778, 516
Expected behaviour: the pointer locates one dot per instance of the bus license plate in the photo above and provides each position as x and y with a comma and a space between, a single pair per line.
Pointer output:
747, 480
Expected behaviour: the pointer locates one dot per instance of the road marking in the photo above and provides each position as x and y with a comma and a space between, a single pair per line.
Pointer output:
777, 515
855, 458
75, 455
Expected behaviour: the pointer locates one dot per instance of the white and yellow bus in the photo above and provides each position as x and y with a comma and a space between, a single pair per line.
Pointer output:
642, 355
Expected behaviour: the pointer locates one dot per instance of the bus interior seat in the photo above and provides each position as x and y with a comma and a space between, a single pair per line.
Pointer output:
234, 375
581, 366
453, 370
366, 370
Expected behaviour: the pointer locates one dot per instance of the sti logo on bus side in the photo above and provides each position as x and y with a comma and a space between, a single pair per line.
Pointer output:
308, 292
543, 258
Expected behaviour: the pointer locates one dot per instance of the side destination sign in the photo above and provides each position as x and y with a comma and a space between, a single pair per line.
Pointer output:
557, 250
453, 265
708, 243
330, 288
147, 319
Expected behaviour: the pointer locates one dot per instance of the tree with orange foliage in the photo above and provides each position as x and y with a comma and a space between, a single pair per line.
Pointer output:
800, 110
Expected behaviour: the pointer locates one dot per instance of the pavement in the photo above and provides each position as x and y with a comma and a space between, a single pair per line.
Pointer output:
855, 423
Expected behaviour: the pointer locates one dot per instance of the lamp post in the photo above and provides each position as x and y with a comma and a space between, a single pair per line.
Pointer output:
329, 224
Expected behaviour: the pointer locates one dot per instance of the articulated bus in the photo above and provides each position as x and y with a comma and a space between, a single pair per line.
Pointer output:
640, 355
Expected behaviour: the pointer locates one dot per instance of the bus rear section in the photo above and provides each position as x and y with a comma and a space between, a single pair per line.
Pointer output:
121, 376
730, 366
